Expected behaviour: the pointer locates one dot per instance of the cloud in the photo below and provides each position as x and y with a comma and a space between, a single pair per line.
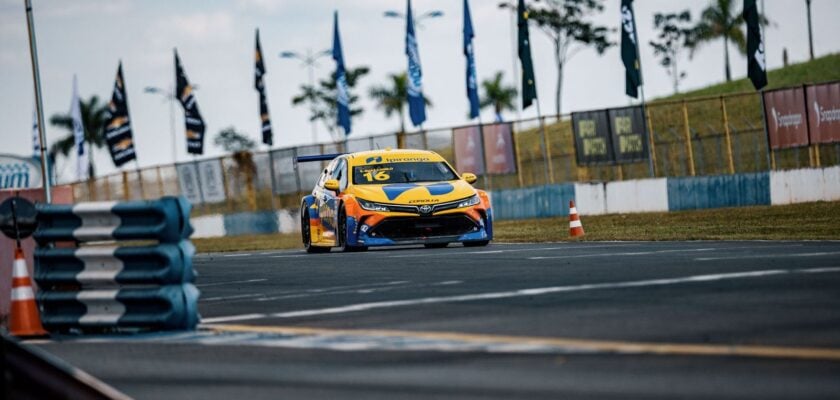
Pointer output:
199, 26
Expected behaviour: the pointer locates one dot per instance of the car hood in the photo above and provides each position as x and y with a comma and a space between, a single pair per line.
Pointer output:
414, 193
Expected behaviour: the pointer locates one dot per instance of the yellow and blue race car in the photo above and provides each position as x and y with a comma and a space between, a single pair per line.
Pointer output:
392, 197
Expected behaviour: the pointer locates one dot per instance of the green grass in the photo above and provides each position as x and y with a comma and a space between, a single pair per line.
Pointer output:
808, 221
822, 69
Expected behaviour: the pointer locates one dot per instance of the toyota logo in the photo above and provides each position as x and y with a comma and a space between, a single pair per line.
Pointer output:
425, 209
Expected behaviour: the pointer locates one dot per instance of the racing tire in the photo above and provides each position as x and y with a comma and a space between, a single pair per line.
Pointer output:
479, 243
306, 235
342, 235
435, 245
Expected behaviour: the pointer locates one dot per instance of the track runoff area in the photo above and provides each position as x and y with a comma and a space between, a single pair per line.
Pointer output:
553, 320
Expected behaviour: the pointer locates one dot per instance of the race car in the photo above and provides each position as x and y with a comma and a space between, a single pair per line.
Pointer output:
392, 197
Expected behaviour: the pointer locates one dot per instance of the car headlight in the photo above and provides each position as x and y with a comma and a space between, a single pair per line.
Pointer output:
371, 206
469, 202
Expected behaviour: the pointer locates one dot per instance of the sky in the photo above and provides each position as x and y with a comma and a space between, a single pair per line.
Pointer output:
215, 41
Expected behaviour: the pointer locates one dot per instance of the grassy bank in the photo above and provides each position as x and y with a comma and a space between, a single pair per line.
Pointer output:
793, 222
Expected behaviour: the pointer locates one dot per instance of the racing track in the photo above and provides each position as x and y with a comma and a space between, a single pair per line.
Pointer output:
569, 320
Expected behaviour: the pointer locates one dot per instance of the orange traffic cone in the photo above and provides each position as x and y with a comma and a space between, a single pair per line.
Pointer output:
575, 227
24, 319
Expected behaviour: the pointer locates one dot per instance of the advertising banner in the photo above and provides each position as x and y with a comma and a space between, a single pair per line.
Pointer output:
592, 137
19, 172
212, 184
498, 149
188, 181
629, 136
468, 154
824, 112
786, 118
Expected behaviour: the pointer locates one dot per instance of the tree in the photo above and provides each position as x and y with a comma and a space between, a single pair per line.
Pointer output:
322, 99
497, 95
674, 35
93, 121
719, 20
564, 22
392, 98
233, 141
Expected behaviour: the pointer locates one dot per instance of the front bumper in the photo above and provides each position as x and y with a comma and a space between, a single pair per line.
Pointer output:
404, 230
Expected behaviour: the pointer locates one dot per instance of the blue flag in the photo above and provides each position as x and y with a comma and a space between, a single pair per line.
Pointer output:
416, 101
342, 100
472, 81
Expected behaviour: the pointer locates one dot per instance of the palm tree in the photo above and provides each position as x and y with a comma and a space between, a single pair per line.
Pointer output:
498, 95
392, 99
94, 115
719, 20
322, 99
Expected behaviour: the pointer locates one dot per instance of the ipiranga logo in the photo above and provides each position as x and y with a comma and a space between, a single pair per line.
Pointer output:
824, 115
786, 120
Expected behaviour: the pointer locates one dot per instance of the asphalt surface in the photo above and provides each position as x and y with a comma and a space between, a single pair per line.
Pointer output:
567, 320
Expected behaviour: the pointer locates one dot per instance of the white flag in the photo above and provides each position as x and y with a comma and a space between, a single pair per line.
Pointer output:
79, 134
36, 141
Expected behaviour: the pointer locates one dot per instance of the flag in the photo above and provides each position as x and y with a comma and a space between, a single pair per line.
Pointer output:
756, 67
192, 117
630, 50
82, 159
259, 84
472, 81
118, 124
36, 139
342, 100
529, 84
416, 100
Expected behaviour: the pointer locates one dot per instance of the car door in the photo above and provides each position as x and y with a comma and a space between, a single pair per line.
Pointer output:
330, 200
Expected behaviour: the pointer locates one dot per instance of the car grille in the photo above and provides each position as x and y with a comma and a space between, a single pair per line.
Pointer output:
416, 209
424, 227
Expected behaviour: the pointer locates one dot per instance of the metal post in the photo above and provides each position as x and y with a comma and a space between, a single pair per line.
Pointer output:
728, 136
549, 174
483, 155
771, 157
159, 181
172, 99
125, 187
225, 184
273, 181
518, 159
688, 140
39, 104
652, 145
107, 187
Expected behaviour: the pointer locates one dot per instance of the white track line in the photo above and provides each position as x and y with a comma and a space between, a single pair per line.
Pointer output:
230, 282
520, 293
749, 256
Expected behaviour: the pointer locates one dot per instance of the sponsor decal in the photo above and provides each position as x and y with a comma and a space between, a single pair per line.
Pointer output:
826, 115
786, 120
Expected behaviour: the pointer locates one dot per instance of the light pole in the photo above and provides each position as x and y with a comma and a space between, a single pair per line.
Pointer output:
417, 19
309, 60
168, 95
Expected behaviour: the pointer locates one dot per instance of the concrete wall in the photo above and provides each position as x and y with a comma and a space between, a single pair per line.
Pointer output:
718, 191
805, 185
643, 195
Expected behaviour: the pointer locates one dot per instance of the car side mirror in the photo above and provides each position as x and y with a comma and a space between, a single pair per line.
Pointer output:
469, 177
332, 184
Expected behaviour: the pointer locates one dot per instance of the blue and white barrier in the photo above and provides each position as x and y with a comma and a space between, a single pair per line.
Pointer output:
635, 196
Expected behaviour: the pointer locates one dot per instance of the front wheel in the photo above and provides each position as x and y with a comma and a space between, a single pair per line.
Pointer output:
342, 234
306, 235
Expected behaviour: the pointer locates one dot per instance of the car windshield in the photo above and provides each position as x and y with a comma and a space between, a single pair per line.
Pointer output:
402, 172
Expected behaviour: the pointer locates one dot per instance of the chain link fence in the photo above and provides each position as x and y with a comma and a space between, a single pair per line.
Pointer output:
704, 136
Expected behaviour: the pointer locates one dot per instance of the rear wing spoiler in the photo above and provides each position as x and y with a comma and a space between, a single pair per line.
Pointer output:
319, 157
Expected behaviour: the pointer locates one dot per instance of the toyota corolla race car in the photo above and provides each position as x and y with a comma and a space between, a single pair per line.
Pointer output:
392, 197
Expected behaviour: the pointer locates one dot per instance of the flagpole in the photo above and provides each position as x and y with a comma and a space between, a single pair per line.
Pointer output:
483, 155
642, 94
39, 105
542, 139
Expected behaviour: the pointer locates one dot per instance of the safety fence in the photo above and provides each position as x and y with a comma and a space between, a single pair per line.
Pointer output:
693, 137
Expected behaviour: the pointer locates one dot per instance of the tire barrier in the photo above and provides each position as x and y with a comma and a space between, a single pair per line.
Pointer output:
116, 287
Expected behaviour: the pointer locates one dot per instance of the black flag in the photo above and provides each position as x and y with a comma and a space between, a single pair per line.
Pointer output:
118, 125
529, 88
629, 50
192, 117
259, 71
756, 68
